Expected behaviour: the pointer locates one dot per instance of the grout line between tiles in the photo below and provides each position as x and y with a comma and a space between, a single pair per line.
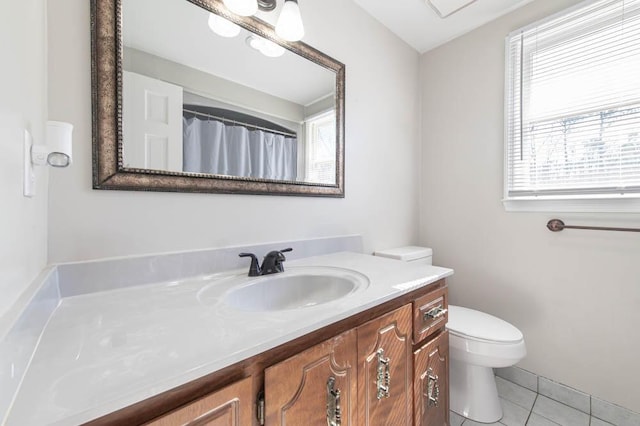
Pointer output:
531, 411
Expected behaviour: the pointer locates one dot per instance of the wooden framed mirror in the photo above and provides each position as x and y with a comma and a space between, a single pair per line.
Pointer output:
176, 107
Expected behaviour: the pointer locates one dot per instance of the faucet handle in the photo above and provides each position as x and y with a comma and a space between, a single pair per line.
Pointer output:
254, 269
281, 258
272, 262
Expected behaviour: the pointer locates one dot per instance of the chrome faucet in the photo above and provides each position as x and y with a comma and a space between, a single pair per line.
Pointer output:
271, 264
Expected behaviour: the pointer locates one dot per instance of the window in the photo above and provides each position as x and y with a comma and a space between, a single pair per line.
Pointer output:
573, 109
321, 149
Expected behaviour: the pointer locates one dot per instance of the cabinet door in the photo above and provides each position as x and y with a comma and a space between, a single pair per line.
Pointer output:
315, 387
230, 406
385, 375
431, 387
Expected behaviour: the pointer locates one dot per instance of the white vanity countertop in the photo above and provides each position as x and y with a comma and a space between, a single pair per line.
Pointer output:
104, 351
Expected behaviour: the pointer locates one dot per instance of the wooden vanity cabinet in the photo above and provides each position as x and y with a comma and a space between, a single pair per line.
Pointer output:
385, 376
314, 385
230, 406
385, 366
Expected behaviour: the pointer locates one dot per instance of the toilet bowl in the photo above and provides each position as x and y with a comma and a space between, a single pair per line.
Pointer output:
479, 342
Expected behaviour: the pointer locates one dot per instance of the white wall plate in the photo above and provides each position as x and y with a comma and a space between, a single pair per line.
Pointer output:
29, 177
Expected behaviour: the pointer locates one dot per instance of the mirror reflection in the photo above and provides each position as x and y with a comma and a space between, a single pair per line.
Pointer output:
196, 101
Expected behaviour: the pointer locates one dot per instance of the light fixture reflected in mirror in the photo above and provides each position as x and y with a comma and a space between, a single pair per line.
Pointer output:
266, 5
223, 27
289, 26
264, 46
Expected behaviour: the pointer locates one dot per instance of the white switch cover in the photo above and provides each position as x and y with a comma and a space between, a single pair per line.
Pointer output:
29, 178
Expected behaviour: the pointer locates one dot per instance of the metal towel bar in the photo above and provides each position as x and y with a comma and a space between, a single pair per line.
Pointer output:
556, 225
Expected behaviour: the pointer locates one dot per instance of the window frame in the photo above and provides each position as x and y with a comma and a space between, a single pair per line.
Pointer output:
310, 126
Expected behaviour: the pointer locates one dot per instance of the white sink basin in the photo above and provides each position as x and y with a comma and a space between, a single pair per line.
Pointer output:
295, 288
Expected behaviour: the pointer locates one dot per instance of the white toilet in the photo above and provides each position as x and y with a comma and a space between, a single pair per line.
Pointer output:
478, 343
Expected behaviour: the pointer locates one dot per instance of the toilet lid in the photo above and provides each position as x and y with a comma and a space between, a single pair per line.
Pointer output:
479, 325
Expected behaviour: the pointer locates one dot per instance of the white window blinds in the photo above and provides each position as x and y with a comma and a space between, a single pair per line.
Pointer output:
573, 103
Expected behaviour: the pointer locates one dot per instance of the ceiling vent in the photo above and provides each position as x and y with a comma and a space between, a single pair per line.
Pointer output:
446, 8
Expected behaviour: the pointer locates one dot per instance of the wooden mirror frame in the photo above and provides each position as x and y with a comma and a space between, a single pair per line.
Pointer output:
106, 100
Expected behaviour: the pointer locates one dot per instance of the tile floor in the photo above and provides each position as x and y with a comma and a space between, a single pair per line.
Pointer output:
522, 406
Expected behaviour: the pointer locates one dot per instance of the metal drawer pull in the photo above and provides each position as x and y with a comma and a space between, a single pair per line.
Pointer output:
433, 390
333, 403
384, 376
434, 313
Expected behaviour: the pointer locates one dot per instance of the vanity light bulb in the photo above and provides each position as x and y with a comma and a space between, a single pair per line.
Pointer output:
264, 46
242, 7
223, 27
289, 26
271, 49
254, 42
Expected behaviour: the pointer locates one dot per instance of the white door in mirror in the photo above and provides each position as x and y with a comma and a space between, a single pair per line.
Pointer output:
152, 123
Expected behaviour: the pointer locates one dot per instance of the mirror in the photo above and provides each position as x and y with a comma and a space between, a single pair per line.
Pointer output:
177, 107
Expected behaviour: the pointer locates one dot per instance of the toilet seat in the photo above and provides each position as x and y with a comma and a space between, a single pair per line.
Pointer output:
480, 326
481, 339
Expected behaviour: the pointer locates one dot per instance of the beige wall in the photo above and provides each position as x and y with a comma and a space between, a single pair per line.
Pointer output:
23, 104
576, 294
381, 155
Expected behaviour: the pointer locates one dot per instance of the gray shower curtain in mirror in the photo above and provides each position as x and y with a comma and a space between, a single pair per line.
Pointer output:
210, 146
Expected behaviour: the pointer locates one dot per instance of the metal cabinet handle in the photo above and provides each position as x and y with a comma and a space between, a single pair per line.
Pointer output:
434, 313
334, 417
383, 381
433, 390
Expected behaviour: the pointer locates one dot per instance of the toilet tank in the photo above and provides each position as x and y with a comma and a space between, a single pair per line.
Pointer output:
414, 254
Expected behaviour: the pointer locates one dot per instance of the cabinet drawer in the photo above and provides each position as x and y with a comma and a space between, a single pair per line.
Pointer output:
430, 313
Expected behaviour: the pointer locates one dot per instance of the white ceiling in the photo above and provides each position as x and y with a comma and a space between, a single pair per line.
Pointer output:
415, 21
